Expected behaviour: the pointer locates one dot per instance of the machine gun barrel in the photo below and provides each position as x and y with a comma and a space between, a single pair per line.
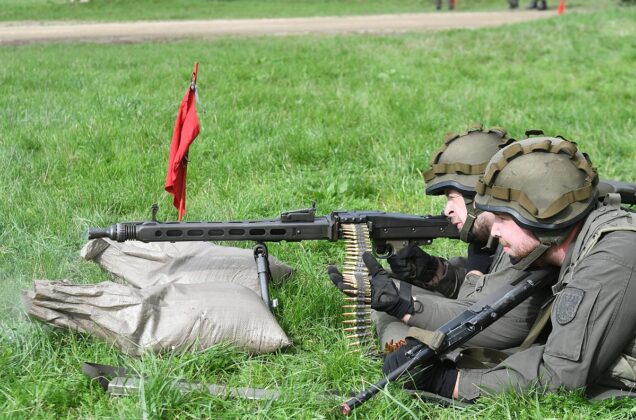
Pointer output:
298, 225
260, 231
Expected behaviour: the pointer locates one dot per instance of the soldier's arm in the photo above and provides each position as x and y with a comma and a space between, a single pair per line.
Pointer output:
449, 277
450, 280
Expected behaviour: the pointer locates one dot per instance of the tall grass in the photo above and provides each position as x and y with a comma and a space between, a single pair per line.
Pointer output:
349, 121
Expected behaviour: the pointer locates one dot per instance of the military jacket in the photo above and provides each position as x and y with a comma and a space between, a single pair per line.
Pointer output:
593, 316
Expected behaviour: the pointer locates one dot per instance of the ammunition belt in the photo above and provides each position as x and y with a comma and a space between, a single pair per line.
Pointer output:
357, 307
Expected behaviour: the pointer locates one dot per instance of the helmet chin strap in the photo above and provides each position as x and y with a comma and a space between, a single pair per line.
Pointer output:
526, 261
548, 239
466, 232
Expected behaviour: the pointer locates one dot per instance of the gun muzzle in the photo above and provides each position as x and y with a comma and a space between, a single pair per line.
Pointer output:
119, 232
94, 233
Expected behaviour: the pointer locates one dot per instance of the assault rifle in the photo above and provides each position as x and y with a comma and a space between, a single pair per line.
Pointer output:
461, 329
389, 232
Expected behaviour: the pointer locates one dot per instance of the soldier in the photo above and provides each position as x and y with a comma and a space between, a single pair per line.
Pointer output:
538, 5
534, 4
451, 4
543, 193
443, 289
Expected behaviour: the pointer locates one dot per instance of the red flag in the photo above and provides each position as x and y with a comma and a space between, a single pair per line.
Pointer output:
186, 129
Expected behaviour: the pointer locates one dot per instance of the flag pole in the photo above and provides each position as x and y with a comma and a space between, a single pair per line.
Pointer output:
193, 79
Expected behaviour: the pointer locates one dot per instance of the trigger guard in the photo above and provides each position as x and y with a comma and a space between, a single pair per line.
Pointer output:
385, 253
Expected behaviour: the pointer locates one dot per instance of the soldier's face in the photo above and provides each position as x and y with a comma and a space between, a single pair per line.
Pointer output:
516, 241
455, 208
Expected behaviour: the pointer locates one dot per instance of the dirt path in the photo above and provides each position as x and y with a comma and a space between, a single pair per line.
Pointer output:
28, 32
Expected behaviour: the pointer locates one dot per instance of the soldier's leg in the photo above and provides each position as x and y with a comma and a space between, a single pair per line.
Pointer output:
389, 328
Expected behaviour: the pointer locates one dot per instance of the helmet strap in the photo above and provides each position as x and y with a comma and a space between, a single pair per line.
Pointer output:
526, 261
466, 232
548, 239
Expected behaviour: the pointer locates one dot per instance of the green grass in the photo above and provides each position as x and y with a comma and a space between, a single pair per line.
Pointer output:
109, 10
349, 121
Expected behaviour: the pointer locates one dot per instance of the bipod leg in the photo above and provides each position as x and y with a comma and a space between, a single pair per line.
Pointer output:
264, 275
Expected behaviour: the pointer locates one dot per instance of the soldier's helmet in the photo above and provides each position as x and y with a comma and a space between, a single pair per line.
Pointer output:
462, 158
543, 183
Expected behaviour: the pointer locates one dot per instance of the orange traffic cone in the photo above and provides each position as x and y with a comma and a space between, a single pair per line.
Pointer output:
561, 8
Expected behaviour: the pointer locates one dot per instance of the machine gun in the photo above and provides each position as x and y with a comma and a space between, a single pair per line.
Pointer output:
388, 233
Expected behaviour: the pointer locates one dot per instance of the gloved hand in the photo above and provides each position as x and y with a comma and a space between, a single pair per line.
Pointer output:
337, 279
413, 265
385, 296
438, 378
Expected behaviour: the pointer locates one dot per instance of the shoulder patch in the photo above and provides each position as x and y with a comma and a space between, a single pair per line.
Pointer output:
568, 304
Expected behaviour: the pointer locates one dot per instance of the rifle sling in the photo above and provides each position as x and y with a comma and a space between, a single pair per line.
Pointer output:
486, 358
539, 324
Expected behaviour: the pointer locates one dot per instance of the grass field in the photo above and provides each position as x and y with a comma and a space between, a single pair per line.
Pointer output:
348, 121
108, 10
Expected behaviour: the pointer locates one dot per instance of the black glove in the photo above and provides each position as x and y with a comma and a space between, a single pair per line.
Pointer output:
414, 266
385, 296
336, 278
438, 378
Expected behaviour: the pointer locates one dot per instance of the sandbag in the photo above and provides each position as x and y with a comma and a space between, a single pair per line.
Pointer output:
166, 317
149, 264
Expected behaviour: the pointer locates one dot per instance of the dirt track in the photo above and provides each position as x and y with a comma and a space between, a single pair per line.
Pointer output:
28, 32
